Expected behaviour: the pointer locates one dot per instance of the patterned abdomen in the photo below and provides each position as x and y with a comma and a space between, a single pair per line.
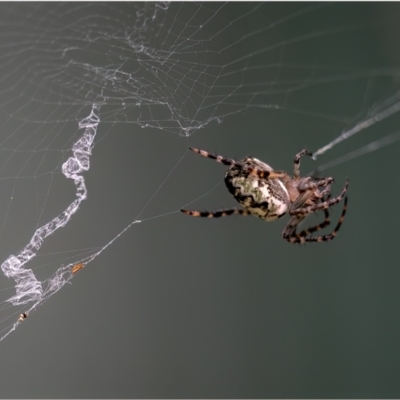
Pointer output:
267, 199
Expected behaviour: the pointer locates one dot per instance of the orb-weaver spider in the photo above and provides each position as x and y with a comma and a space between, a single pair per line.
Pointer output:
269, 195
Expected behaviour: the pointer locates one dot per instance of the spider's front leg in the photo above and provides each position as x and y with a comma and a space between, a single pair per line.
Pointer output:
304, 236
323, 205
291, 236
297, 157
308, 183
308, 188
233, 163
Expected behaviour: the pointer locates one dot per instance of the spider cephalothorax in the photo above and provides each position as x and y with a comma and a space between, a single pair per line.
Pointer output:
269, 195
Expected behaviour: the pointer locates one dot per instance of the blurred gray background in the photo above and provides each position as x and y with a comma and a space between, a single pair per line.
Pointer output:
184, 307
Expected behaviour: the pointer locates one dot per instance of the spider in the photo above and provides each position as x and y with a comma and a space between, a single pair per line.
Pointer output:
269, 195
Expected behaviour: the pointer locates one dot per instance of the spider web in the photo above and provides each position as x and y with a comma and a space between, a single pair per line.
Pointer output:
99, 102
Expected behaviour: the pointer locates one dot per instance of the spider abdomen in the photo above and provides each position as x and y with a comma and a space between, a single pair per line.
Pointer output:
265, 198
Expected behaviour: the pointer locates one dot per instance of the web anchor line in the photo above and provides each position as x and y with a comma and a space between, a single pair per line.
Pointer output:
29, 290
359, 127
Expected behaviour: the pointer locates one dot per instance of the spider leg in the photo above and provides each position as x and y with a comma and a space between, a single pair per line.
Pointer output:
290, 229
314, 184
302, 237
297, 158
290, 232
307, 190
323, 205
296, 219
318, 227
326, 191
216, 214
229, 162
299, 203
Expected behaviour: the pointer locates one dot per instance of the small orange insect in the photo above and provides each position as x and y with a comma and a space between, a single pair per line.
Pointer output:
76, 268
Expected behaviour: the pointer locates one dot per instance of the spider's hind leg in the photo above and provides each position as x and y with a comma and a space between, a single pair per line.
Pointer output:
216, 214
323, 205
223, 160
233, 163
